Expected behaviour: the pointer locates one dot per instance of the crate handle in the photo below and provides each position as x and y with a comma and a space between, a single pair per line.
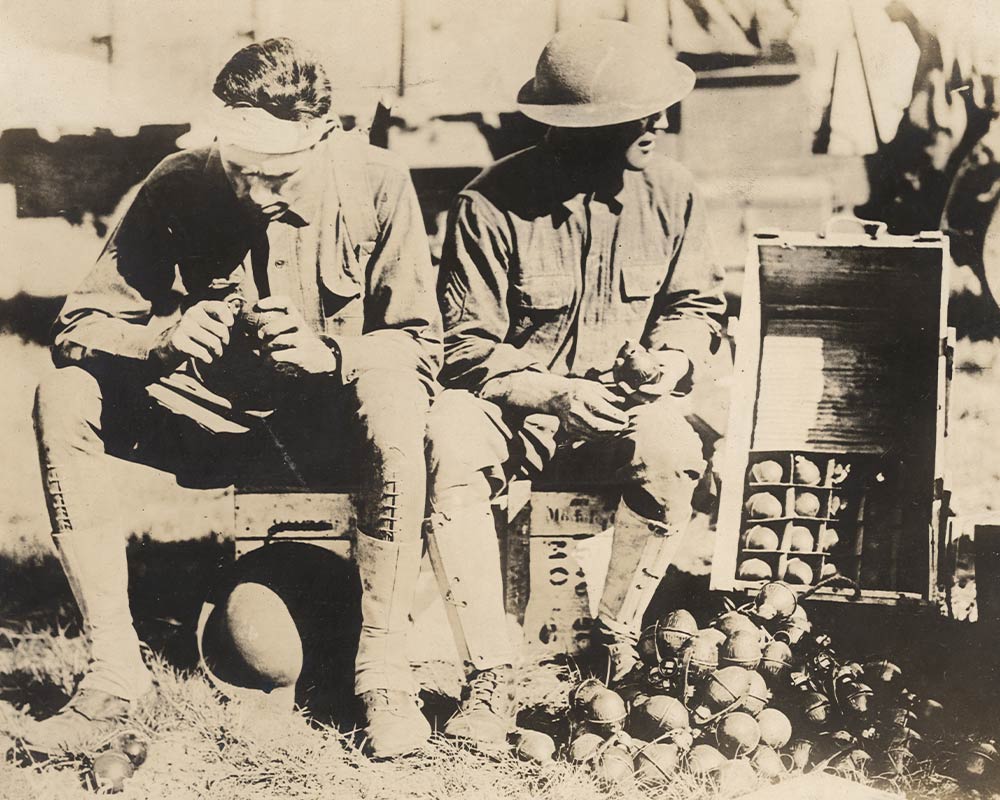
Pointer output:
873, 228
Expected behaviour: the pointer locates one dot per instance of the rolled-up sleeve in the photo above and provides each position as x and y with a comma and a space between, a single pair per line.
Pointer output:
472, 292
124, 305
402, 322
688, 309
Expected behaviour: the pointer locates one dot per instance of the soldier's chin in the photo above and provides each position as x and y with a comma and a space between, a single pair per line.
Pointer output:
638, 158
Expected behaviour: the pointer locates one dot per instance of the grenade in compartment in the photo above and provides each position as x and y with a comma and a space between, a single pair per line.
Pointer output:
769, 471
807, 471
838, 505
800, 539
827, 540
761, 537
807, 504
840, 472
798, 571
755, 569
764, 505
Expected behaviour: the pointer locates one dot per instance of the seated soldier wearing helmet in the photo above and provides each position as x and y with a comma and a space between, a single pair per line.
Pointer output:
580, 304
276, 289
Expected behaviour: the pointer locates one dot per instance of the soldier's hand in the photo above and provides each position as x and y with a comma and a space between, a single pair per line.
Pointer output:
287, 340
588, 409
202, 332
673, 367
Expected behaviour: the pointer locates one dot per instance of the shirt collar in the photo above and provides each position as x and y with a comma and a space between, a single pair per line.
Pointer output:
614, 201
563, 184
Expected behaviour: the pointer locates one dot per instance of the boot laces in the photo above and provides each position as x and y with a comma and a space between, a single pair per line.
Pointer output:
487, 689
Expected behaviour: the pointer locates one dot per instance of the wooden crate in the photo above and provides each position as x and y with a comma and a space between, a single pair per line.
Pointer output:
843, 360
325, 519
554, 552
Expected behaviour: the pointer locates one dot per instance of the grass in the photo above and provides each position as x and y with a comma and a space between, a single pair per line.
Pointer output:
204, 747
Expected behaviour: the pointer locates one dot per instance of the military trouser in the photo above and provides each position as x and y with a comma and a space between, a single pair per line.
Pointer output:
369, 434
475, 446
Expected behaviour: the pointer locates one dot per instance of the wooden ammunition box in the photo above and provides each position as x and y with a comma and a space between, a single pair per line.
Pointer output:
839, 417
555, 547
325, 519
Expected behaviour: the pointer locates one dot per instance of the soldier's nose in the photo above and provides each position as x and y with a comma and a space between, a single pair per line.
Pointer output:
261, 196
660, 122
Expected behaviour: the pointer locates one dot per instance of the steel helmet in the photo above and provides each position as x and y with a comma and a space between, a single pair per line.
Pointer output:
281, 625
603, 73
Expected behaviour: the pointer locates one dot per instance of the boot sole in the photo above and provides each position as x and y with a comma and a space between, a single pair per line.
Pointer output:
495, 750
413, 750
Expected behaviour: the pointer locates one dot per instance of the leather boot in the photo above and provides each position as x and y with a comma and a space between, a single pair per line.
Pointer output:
465, 554
383, 678
641, 551
84, 725
116, 678
486, 714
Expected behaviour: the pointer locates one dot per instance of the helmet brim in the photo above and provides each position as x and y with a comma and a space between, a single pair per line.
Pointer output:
673, 87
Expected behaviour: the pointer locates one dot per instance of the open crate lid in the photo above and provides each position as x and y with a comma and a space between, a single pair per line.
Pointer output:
840, 354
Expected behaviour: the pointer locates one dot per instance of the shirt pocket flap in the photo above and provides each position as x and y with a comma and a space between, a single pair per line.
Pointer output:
545, 292
641, 280
344, 276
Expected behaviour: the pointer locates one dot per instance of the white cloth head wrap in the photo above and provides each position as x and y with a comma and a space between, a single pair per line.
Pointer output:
259, 131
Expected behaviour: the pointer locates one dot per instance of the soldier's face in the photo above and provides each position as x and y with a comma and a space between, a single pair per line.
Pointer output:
627, 145
268, 184
640, 137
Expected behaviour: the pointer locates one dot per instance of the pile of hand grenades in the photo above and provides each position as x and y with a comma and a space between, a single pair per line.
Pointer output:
753, 696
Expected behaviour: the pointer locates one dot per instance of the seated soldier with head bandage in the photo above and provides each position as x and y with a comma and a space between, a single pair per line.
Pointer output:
273, 290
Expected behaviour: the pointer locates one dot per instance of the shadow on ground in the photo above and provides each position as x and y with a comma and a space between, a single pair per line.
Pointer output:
956, 663
169, 584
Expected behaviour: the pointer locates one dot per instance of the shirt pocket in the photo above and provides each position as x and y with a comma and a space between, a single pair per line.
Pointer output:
343, 316
641, 280
545, 293
342, 274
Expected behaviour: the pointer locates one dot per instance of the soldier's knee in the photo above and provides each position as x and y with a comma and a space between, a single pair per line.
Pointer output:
666, 445
392, 400
461, 439
68, 401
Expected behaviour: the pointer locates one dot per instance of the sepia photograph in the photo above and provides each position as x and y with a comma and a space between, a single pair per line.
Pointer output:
551, 399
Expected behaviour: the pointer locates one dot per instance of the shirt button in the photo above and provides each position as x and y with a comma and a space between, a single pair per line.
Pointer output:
279, 263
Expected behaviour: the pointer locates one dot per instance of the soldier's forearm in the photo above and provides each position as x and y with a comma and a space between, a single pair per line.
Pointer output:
528, 391
104, 337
